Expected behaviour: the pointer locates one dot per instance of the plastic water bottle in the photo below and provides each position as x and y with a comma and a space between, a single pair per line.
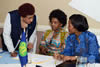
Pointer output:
91, 64
81, 61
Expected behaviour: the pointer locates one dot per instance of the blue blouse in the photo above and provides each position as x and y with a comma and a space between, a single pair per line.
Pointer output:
88, 46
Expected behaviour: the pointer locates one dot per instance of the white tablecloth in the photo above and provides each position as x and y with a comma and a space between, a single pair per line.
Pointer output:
33, 59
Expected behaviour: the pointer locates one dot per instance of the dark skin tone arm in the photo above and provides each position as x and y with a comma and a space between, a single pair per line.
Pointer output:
30, 46
64, 58
43, 50
13, 54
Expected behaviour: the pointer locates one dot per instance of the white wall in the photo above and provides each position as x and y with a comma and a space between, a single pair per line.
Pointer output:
43, 8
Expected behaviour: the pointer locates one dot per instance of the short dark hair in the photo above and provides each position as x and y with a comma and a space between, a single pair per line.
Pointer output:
79, 22
26, 9
60, 15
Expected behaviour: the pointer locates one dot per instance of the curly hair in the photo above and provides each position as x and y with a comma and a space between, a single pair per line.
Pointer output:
26, 9
60, 15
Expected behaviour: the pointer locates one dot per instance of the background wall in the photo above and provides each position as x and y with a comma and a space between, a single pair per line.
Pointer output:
43, 8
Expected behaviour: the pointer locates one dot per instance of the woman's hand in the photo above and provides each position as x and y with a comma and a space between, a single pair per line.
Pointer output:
58, 56
66, 58
30, 46
43, 50
71, 58
13, 54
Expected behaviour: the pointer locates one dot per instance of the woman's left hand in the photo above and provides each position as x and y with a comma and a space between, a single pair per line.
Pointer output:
73, 58
56, 56
66, 58
30, 46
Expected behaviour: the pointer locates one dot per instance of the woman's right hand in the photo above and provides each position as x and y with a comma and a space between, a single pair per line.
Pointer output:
13, 54
43, 50
58, 56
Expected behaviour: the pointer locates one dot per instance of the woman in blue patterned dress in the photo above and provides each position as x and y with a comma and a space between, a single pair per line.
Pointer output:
80, 42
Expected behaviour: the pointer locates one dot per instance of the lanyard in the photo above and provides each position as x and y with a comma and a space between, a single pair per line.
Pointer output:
20, 39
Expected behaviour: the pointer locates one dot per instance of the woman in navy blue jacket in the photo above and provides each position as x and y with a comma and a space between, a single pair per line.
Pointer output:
15, 22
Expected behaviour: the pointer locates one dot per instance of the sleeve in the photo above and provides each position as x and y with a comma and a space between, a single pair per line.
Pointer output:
33, 40
6, 34
65, 38
68, 48
93, 49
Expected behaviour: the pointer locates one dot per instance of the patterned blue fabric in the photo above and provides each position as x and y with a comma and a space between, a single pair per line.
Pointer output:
88, 46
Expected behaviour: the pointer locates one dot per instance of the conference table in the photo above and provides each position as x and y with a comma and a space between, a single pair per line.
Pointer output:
36, 60
33, 60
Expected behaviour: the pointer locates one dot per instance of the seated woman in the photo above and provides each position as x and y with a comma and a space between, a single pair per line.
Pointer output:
53, 41
80, 42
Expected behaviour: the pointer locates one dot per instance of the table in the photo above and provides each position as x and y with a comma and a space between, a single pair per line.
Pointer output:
34, 59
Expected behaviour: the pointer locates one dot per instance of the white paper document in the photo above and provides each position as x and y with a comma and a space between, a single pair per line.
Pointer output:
43, 60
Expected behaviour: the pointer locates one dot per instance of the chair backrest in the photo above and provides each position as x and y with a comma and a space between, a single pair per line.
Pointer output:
39, 37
